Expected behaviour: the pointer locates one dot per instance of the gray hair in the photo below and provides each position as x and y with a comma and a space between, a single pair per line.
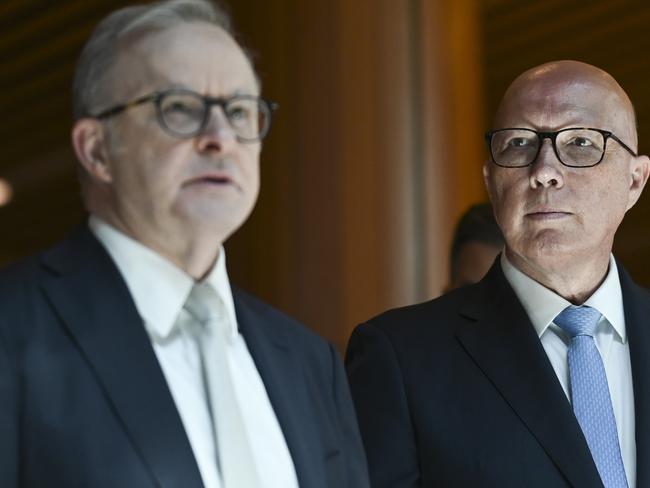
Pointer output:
91, 86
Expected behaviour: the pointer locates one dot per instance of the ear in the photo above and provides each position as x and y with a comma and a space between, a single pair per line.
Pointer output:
639, 171
89, 142
486, 177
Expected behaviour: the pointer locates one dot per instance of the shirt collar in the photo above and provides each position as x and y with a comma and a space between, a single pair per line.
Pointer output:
158, 287
542, 304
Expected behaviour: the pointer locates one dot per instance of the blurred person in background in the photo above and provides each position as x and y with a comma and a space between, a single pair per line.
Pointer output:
127, 359
477, 241
538, 375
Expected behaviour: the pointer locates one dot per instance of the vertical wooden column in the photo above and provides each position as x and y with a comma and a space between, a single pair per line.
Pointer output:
452, 124
376, 150
380, 218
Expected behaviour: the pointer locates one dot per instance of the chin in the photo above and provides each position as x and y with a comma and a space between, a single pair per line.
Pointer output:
215, 210
551, 251
219, 224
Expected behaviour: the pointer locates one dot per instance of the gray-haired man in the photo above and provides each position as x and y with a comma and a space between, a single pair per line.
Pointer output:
126, 358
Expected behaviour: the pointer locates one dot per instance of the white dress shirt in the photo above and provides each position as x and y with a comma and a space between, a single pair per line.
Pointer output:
159, 289
543, 305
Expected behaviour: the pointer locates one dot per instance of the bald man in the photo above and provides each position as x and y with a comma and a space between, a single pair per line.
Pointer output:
539, 375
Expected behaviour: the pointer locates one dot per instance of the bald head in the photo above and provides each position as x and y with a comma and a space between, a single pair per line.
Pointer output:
569, 88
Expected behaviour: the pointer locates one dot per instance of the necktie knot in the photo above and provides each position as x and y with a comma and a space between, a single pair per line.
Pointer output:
577, 321
203, 304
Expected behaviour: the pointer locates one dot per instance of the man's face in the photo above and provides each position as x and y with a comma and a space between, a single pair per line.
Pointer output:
549, 212
165, 188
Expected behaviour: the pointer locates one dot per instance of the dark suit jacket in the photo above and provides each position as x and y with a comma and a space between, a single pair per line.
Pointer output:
84, 403
459, 392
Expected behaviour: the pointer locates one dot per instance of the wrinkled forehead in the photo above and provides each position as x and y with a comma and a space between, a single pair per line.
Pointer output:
553, 103
197, 56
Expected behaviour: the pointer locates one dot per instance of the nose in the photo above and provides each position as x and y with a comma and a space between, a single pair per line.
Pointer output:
218, 135
546, 171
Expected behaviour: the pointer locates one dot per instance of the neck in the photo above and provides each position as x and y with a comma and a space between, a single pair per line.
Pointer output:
198, 258
572, 280
194, 252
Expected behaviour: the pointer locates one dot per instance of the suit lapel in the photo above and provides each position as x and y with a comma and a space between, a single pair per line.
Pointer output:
279, 370
94, 304
501, 340
637, 313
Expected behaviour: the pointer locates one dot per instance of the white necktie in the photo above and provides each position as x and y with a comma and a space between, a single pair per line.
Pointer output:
236, 460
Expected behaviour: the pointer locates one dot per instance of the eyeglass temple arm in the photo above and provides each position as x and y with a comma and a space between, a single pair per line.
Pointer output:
625, 146
121, 108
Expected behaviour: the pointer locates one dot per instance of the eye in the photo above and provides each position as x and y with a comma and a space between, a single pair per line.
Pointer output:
180, 107
514, 142
238, 113
581, 142
519, 142
585, 140
242, 112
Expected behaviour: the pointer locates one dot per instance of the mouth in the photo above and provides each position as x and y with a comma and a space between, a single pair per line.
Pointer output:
547, 214
219, 180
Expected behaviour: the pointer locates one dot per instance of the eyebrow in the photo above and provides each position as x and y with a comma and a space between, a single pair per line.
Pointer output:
181, 86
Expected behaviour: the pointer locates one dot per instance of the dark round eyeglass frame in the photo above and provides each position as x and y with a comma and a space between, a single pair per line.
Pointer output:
541, 136
208, 102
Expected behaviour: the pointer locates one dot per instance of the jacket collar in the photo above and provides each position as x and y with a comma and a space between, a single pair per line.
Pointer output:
636, 302
266, 332
94, 304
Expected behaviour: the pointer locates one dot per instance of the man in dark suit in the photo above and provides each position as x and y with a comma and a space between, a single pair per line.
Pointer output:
539, 375
126, 358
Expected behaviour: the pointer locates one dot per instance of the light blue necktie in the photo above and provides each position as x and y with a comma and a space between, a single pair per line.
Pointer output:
592, 404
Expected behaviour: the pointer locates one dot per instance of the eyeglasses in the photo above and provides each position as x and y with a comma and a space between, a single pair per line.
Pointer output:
184, 113
576, 147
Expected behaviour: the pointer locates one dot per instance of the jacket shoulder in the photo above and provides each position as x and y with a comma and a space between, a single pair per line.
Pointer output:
19, 277
439, 313
442, 315
274, 318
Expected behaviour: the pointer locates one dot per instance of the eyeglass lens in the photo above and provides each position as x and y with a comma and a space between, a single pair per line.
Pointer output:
575, 147
186, 114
